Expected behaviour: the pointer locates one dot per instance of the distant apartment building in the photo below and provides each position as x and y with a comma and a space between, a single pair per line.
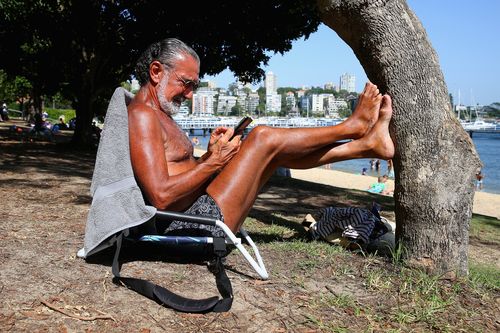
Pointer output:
330, 86
318, 103
241, 98
301, 93
273, 100
212, 84
305, 104
253, 102
203, 102
290, 99
326, 104
347, 82
273, 103
270, 83
225, 103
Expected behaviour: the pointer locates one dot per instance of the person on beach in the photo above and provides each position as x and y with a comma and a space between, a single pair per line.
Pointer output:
224, 182
379, 186
479, 180
390, 168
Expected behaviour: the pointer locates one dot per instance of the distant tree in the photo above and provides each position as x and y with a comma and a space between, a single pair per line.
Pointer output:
434, 188
493, 110
237, 110
284, 90
15, 89
261, 109
344, 112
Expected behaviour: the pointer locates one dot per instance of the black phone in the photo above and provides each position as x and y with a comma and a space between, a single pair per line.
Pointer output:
238, 129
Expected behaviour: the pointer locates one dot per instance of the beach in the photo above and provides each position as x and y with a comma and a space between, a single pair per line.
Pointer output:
484, 203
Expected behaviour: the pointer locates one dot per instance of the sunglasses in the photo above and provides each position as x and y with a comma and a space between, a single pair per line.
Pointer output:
188, 84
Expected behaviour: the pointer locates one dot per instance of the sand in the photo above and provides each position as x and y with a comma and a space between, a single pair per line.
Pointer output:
484, 203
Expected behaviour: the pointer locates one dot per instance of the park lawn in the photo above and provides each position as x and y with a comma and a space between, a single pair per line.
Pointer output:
313, 287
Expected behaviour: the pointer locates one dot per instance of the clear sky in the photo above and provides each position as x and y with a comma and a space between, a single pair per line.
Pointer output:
464, 33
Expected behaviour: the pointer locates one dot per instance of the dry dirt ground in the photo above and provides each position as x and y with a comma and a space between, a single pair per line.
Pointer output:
313, 286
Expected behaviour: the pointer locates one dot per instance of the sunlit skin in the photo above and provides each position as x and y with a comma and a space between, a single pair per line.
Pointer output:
233, 171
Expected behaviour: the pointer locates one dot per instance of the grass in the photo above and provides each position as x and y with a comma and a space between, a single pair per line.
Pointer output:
54, 114
485, 228
484, 277
388, 295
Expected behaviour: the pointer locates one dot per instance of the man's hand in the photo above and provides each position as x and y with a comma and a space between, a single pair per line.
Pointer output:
220, 148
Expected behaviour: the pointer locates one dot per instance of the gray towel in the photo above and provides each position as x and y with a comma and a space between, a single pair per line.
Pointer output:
117, 201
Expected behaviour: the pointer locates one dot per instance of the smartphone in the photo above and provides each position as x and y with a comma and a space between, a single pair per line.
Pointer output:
238, 130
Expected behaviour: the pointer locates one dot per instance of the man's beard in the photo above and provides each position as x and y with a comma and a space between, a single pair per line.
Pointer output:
169, 108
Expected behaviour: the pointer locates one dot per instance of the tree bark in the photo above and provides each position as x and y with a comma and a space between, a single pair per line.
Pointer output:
435, 159
82, 137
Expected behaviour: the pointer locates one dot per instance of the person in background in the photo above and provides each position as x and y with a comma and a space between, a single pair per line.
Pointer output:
62, 123
479, 180
372, 164
390, 169
4, 113
379, 186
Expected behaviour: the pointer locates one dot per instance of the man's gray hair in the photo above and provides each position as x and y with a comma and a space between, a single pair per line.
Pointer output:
166, 51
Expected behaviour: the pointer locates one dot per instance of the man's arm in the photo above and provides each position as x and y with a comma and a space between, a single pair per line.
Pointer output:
164, 189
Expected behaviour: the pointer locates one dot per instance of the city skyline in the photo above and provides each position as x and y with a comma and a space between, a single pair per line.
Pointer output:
463, 35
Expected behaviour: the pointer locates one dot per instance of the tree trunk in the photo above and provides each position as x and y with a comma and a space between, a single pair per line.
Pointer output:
435, 159
82, 136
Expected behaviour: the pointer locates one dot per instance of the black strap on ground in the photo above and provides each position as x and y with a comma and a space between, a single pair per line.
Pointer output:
164, 296
221, 279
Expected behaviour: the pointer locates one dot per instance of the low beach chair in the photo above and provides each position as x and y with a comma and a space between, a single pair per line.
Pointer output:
118, 215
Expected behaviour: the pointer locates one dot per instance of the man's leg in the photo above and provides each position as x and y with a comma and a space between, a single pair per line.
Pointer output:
237, 186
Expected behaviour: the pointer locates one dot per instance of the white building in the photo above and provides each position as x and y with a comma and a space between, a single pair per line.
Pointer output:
317, 103
348, 82
326, 104
273, 103
241, 99
271, 83
253, 102
273, 100
203, 102
329, 86
212, 84
290, 100
225, 104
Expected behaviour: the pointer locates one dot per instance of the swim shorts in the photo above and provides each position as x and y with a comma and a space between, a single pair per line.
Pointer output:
205, 206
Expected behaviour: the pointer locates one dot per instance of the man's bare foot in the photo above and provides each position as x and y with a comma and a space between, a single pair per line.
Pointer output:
366, 114
378, 140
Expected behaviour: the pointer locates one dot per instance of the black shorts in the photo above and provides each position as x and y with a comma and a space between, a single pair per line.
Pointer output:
204, 206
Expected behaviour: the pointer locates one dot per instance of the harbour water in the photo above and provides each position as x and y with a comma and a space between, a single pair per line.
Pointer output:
487, 146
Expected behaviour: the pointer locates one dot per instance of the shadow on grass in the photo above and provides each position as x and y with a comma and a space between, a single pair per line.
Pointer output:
486, 220
284, 202
57, 159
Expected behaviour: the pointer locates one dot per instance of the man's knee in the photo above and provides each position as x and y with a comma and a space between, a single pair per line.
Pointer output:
261, 135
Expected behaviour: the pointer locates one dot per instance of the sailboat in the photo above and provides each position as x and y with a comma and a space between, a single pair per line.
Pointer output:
478, 124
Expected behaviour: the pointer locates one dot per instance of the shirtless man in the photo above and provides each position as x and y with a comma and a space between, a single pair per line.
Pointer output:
225, 181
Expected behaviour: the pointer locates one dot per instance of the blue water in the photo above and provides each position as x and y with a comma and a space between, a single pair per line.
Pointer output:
487, 146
